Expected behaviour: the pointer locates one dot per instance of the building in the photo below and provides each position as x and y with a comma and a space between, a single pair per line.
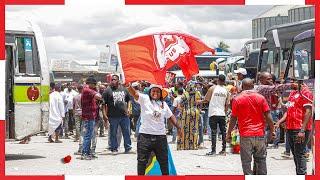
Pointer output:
279, 15
75, 71
300, 13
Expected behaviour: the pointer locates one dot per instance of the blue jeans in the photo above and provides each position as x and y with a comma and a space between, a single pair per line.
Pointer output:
124, 123
138, 127
88, 126
174, 129
206, 123
200, 140
287, 144
275, 118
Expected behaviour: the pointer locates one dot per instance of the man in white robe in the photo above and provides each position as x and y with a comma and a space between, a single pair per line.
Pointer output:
56, 113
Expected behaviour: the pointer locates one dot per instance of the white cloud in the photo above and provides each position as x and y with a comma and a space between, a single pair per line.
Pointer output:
73, 49
82, 28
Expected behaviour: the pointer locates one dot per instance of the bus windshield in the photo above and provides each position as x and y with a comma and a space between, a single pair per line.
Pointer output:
302, 60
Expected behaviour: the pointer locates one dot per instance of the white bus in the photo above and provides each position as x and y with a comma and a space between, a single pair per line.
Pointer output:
27, 80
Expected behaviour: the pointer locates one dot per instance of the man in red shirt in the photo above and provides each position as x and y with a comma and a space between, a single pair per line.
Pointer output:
252, 112
89, 115
299, 124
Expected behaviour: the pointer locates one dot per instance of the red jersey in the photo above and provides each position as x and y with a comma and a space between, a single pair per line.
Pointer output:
295, 113
88, 104
249, 107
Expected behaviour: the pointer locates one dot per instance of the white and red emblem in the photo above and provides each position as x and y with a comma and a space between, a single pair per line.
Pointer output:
169, 48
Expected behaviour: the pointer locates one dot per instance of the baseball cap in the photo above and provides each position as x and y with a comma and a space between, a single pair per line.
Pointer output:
242, 71
135, 84
155, 86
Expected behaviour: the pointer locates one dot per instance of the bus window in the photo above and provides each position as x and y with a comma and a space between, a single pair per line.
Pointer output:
264, 63
27, 59
302, 60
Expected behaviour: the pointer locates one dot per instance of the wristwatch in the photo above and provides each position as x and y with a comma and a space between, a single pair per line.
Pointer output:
302, 131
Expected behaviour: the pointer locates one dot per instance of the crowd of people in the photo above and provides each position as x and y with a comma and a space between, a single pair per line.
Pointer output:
187, 111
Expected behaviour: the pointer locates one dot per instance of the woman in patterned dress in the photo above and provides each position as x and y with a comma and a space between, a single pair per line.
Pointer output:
189, 119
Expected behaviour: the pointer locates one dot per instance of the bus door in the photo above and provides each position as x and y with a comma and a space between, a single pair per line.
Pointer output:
9, 83
27, 86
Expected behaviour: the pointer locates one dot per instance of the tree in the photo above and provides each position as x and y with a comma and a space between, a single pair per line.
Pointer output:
222, 45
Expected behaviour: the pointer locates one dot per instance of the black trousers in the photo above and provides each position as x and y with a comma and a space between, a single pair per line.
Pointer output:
214, 121
133, 122
71, 122
298, 150
152, 143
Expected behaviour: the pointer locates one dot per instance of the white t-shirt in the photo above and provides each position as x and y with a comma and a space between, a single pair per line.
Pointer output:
69, 98
218, 100
177, 101
153, 116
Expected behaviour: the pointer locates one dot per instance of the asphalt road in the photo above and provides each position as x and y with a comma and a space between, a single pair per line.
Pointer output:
42, 158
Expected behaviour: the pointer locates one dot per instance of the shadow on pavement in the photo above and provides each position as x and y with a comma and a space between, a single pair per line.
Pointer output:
13, 157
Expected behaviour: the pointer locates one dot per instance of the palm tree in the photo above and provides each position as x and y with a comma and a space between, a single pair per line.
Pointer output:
222, 45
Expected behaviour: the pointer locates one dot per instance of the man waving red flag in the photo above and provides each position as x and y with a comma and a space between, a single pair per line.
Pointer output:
149, 54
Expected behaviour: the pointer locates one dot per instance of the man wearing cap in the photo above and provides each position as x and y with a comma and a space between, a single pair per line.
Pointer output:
89, 115
241, 73
116, 99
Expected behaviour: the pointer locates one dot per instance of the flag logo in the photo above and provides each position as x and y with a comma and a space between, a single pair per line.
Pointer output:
169, 48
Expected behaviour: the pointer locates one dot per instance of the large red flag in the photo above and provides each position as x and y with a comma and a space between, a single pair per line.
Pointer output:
149, 54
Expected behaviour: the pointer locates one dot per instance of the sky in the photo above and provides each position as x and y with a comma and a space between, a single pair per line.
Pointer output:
81, 29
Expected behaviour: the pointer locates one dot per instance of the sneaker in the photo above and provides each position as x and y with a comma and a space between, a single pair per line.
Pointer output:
50, 140
82, 157
93, 156
129, 151
85, 157
78, 153
114, 152
93, 151
211, 153
222, 153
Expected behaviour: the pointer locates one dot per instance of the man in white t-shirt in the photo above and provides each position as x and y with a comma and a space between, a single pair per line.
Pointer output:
241, 74
218, 98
